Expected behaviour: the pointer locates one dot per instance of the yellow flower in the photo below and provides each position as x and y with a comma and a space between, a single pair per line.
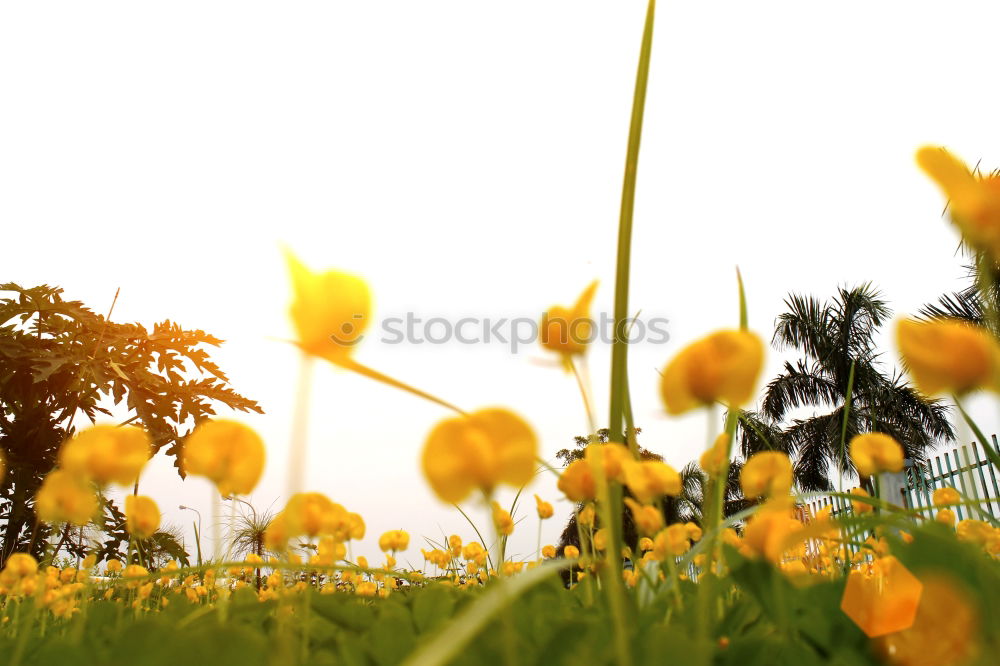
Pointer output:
974, 201
394, 540
714, 459
355, 526
860, 507
974, 531
874, 453
770, 532
766, 474
586, 516
330, 310
946, 496
18, 566
568, 331
671, 541
479, 450
228, 453
571, 552
601, 539
578, 481
883, 602
142, 516
113, 566
645, 543
544, 508
455, 545
474, 551
945, 517
502, 520
694, 531
649, 479
548, 552
722, 367
134, 574
65, 498
948, 356
311, 514
648, 519
107, 453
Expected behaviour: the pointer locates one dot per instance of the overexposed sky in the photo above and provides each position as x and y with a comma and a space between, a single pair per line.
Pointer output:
466, 159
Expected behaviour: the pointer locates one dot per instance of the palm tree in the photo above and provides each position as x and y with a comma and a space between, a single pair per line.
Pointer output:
978, 303
836, 338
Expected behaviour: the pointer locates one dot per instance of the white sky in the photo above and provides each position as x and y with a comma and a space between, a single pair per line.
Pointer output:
466, 158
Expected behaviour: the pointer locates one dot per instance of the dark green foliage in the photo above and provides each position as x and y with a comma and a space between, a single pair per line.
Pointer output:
58, 359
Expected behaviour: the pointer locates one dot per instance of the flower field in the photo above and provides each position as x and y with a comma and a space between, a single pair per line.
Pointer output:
758, 575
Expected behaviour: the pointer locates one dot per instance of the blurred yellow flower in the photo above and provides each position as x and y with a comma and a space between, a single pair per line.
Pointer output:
860, 507
502, 520
65, 497
18, 566
228, 453
548, 552
648, 519
568, 331
884, 601
974, 531
944, 631
276, 534
714, 459
330, 311
770, 532
578, 481
974, 201
571, 552
945, 517
601, 539
948, 356
671, 541
107, 453
650, 479
766, 474
142, 516
694, 531
356, 526
586, 516
875, 452
645, 543
479, 450
311, 514
722, 367
113, 566
545, 509
394, 540
455, 545
946, 496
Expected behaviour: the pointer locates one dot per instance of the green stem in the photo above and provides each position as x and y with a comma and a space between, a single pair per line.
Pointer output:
619, 350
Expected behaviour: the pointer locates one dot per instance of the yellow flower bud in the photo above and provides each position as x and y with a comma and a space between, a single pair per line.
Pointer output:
548, 552
65, 498
948, 356
107, 453
766, 474
714, 459
974, 202
479, 450
874, 453
502, 520
722, 367
228, 453
648, 519
568, 331
586, 516
142, 516
571, 552
945, 517
545, 509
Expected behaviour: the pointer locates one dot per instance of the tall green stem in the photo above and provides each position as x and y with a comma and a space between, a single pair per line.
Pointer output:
619, 350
